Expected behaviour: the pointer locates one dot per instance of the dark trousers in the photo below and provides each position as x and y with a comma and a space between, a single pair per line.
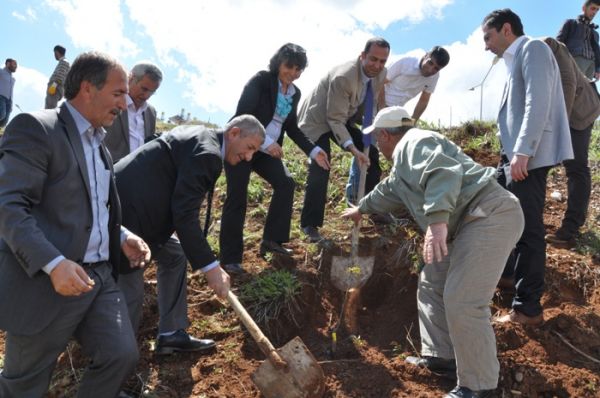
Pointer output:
277, 225
528, 260
579, 182
98, 321
315, 197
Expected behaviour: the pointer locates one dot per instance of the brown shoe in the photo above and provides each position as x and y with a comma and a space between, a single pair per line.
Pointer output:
518, 317
561, 239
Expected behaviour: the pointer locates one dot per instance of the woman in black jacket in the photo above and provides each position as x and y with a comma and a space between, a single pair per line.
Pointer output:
273, 99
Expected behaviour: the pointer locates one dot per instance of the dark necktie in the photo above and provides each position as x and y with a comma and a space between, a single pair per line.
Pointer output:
367, 113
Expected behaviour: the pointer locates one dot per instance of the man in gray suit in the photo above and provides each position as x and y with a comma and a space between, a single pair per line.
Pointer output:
61, 238
331, 112
534, 133
132, 128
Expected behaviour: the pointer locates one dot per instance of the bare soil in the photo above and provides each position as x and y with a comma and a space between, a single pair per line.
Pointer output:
559, 359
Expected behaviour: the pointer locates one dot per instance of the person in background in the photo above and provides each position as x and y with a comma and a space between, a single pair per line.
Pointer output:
56, 84
272, 98
581, 38
583, 108
7, 85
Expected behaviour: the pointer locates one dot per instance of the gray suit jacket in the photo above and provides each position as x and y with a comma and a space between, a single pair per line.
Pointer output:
335, 100
533, 118
45, 211
117, 139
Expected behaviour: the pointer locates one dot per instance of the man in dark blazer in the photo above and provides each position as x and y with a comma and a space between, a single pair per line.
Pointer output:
60, 237
162, 186
137, 124
331, 112
132, 128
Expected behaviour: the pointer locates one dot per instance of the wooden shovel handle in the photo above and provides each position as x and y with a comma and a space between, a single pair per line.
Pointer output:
263, 342
361, 192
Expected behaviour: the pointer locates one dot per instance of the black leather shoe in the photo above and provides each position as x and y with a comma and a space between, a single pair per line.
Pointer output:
234, 268
312, 233
442, 366
464, 392
180, 341
274, 247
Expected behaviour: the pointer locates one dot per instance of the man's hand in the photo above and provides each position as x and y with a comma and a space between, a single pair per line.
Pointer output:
518, 167
352, 213
434, 245
275, 150
218, 280
363, 160
136, 251
322, 160
70, 279
597, 75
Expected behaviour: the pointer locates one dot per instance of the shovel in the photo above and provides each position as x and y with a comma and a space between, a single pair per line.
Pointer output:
354, 271
290, 372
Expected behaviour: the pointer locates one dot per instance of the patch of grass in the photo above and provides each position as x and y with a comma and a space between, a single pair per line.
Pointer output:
595, 144
588, 242
272, 294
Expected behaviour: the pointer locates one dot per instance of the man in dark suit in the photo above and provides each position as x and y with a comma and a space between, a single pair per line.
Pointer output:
132, 128
137, 124
162, 186
60, 237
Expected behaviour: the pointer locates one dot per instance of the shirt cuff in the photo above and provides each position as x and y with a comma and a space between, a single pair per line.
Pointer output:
267, 143
438, 216
210, 266
346, 144
52, 264
125, 233
315, 151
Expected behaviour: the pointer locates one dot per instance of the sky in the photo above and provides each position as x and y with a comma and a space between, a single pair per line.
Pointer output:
208, 49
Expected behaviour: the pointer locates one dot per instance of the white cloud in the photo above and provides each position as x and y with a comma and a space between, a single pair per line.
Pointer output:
96, 25
29, 91
31, 14
18, 15
219, 45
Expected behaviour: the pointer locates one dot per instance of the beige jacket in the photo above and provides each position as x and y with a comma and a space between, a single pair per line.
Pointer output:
581, 98
335, 100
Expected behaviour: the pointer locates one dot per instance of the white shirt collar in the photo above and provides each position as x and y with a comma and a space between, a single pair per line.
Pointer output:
510, 52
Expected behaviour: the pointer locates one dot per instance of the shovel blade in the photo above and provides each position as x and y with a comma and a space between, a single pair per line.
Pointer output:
303, 378
348, 272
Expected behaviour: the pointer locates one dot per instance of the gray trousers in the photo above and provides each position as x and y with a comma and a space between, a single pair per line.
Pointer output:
95, 319
172, 289
454, 295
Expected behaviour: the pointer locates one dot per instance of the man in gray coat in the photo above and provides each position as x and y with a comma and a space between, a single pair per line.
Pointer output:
61, 239
534, 133
56, 84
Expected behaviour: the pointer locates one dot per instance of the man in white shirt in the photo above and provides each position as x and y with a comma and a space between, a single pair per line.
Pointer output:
7, 84
410, 76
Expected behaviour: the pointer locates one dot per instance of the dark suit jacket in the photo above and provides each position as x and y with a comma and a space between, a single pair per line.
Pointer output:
117, 139
45, 211
259, 99
162, 185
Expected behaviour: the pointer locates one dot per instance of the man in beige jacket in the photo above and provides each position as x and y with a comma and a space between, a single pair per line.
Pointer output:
583, 107
331, 112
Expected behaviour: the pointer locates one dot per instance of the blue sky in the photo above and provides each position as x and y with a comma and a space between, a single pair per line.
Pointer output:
209, 49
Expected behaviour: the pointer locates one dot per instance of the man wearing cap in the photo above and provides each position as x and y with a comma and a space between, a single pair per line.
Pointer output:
471, 224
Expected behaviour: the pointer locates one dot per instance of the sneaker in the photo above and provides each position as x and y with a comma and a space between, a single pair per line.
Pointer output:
464, 392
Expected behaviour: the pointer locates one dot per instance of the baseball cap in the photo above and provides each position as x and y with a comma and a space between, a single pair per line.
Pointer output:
392, 116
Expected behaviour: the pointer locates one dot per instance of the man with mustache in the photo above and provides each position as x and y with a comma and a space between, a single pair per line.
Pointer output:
331, 112
61, 238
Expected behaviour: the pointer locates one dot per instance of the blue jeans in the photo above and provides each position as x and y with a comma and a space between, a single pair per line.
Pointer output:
5, 108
